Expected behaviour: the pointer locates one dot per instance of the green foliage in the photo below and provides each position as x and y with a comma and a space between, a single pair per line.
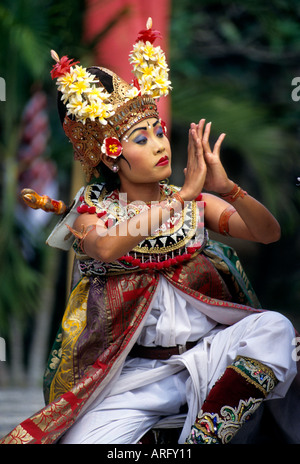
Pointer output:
233, 62
19, 283
28, 32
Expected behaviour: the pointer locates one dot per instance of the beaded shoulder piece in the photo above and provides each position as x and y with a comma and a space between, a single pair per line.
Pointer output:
181, 237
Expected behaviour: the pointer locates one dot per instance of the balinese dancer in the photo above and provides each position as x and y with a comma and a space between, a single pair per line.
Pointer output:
162, 328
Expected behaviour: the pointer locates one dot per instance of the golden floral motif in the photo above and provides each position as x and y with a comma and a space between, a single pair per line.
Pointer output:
55, 359
74, 322
18, 436
55, 413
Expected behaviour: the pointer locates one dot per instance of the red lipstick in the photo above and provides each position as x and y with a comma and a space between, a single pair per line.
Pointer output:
163, 161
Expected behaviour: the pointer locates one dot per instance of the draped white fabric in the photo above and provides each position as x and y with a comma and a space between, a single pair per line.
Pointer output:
151, 391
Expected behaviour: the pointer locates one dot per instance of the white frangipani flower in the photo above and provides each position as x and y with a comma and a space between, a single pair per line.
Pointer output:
82, 97
150, 69
132, 93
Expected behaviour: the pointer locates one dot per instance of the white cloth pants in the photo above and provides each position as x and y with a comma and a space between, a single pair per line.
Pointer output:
148, 390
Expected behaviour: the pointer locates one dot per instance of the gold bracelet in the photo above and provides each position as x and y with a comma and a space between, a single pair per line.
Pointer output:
235, 193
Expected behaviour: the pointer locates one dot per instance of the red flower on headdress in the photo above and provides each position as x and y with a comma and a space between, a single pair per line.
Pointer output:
112, 147
62, 66
164, 126
137, 84
149, 34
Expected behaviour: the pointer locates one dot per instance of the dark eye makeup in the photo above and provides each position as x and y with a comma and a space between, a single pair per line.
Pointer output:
142, 139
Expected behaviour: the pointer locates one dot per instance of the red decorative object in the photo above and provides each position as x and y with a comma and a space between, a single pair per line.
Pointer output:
112, 147
109, 223
149, 35
86, 209
137, 85
156, 265
62, 67
164, 127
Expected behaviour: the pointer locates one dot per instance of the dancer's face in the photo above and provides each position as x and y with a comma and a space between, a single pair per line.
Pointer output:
147, 153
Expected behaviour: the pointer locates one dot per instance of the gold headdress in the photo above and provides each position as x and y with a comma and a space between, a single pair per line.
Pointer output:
96, 119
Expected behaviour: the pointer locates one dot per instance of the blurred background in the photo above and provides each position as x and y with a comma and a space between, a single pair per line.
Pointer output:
232, 62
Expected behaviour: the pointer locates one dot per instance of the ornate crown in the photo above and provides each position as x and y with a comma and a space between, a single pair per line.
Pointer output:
96, 119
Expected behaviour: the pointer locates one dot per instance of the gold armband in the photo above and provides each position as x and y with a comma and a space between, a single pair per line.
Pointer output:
224, 219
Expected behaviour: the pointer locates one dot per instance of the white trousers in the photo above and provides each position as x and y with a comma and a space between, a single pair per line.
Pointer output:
148, 390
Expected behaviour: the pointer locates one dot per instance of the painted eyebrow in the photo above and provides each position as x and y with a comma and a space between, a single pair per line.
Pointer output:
142, 128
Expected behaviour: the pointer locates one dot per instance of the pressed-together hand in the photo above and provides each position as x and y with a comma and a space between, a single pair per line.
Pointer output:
204, 168
195, 171
216, 178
